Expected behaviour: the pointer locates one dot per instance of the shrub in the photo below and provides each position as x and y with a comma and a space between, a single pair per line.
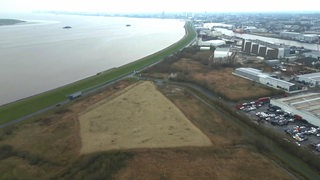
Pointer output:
6, 151
96, 166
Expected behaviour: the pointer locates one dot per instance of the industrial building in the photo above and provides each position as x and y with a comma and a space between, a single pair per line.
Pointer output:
291, 35
300, 37
265, 49
310, 38
215, 43
307, 106
312, 79
263, 78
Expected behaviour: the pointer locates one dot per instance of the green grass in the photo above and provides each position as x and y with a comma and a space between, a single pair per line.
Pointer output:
29, 105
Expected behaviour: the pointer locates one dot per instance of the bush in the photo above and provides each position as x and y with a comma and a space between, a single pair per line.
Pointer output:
6, 151
96, 166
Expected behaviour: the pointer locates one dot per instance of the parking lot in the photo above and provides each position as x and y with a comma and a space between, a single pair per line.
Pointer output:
297, 130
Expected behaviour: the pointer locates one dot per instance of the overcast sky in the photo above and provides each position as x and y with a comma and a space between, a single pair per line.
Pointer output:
134, 6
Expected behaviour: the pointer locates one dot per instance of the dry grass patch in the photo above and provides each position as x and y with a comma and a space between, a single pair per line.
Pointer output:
187, 65
200, 164
47, 144
234, 88
138, 117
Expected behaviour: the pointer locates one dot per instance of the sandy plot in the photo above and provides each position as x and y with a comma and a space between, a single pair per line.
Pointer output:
137, 118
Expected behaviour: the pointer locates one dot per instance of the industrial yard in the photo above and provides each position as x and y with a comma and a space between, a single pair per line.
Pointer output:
280, 116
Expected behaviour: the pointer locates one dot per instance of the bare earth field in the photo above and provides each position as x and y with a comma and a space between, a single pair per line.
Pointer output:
137, 117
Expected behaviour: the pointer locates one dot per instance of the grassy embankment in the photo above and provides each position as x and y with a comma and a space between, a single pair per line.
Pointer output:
29, 105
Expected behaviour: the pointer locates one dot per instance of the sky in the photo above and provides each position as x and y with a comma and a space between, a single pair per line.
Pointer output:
139, 6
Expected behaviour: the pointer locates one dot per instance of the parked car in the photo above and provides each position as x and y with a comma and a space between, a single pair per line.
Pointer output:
299, 137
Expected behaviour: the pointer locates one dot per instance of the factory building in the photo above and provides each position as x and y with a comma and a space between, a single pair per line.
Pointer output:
312, 79
307, 106
291, 35
255, 48
247, 47
272, 53
263, 78
310, 38
300, 37
248, 73
265, 49
262, 51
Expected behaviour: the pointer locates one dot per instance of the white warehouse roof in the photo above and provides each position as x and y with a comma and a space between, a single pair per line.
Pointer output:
305, 105
258, 76
251, 71
310, 76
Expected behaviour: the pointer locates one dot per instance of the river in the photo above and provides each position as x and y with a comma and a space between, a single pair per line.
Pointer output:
41, 55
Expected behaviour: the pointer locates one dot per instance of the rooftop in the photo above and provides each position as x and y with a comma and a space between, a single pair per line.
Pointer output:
307, 102
315, 76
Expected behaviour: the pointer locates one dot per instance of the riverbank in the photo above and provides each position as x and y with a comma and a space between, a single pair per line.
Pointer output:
41, 101
7, 22
93, 44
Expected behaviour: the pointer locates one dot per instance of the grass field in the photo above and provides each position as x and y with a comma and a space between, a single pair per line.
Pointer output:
29, 105
138, 117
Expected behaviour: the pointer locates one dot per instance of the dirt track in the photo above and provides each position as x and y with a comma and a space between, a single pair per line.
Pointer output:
137, 117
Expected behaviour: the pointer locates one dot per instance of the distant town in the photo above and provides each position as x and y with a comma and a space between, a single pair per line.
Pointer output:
303, 27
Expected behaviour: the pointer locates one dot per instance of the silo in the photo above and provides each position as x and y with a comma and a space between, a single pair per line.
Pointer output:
247, 47
254, 48
272, 53
262, 51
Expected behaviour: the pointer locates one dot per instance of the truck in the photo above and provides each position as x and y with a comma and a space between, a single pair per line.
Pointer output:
264, 100
75, 95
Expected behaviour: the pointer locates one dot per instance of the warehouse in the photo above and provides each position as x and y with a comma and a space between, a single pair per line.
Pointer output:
306, 105
249, 73
312, 79
263, 78
265, 49
277, 83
